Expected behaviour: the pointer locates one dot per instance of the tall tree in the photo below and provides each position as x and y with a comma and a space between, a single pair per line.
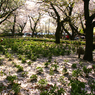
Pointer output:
22, 26
34, 22
89, 23
58, 21
56, 13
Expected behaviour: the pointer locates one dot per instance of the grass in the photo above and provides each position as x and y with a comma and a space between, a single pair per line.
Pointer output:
31, 48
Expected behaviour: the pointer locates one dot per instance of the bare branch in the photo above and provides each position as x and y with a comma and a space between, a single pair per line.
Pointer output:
93, 24
82, 24
58, 17
52, 15
9, 14
92, 17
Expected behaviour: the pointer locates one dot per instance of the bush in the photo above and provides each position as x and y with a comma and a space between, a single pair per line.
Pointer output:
33, 77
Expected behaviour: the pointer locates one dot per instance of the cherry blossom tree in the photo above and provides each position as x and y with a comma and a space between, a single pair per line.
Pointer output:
34, 22
7, 7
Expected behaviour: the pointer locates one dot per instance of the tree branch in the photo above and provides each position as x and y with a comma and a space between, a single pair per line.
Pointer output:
66, 30
93, 24
63, 11
1, 4
30, 24
82, 24
58, 17
52, 15
92, 17
9, 14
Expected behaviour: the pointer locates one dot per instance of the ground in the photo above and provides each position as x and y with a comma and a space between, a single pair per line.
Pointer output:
30, 88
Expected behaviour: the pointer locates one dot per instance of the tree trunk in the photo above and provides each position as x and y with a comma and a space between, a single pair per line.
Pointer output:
89, 44
57, 34
22, 26
89, 33
32, 33
13, 30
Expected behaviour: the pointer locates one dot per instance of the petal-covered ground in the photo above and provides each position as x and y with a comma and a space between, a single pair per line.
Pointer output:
52, 76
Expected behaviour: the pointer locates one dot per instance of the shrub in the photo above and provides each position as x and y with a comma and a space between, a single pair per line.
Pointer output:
2, 73
55, 67
19, 56
39, 70
76, 73
33, 77
51, 71
87, 70
46, 64
49, 60
42, 82
92, 86
33, 57
74, 66
2, 87
1, 48
61, 79
53, 91
23, 60
16, 88
29, 63
20, 68
11, 78
23, 74
77, 87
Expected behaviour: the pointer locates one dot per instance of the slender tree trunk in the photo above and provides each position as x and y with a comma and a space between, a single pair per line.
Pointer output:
57, 34
73, 32
33, 33
13, 30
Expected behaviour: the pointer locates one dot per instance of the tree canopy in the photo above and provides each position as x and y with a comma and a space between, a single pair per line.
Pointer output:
7, 7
